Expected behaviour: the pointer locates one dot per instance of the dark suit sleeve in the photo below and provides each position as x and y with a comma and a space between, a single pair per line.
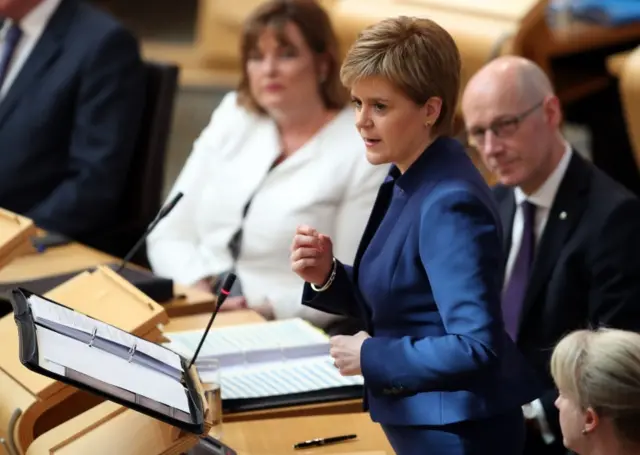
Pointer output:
614, 297
338, 299
461, 251
107, 118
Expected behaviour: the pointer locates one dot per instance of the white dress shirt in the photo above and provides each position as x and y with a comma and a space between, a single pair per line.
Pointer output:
32, 26
327, 184
542, 199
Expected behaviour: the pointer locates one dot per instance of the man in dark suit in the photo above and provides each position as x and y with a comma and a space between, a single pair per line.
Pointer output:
71, 97
572, 234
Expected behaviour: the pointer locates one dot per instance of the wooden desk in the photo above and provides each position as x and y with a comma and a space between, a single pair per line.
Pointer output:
224, 318
277, 436
246, 317
68, 258
15, 236
128, 433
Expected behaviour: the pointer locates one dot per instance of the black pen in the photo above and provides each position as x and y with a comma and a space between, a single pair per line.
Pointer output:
323, 441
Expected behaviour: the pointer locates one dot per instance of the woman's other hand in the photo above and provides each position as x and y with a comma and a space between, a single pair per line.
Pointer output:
311, 255
345, 351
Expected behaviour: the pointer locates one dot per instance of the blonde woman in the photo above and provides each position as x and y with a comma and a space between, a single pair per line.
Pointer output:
598, 376
441, 374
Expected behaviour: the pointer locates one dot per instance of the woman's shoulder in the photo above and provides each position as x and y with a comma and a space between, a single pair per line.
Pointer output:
230, 111
458, 181
229, 123
341, 139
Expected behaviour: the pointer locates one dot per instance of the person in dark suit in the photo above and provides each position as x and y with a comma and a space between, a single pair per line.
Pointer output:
441, 375
71, 97
572, 233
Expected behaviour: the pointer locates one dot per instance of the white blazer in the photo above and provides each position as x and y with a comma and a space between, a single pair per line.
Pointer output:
327, 184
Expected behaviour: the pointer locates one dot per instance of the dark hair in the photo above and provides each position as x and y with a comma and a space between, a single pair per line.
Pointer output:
315, 26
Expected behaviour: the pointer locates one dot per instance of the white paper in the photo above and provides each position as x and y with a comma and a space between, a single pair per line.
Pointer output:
271, 379
43, 309
111, 369
269, 367
275, 335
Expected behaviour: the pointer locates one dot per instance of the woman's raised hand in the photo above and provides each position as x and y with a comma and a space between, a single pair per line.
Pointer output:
311, 255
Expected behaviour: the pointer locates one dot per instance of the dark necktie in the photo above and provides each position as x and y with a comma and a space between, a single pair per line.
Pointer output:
514, 294
11, 40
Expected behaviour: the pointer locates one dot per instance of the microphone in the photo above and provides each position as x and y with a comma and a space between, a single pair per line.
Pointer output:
225, 289
164, 211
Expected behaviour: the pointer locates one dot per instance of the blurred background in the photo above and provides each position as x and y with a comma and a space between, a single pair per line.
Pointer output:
585, 46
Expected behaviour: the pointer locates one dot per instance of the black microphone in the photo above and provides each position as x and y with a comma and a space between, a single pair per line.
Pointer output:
164, 211
225, 289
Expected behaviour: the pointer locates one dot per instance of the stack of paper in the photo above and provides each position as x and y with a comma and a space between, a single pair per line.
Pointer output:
264, 359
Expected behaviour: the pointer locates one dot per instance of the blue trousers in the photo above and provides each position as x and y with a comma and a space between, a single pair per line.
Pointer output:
498, 435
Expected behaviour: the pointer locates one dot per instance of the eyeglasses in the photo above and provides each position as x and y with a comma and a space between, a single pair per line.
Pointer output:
501, 127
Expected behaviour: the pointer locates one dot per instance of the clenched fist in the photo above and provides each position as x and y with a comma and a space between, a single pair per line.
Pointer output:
311, 255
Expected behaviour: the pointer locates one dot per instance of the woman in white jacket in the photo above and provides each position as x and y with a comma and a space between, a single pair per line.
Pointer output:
280, 151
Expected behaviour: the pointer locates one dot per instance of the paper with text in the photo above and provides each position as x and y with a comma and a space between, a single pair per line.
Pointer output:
285, 378
67, 352
61, 318
253, 343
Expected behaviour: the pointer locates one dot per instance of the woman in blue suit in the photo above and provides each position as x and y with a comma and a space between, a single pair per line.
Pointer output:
441, 375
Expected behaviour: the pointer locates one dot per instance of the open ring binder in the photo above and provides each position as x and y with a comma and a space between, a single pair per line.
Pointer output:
93, 337
132, 353
68, 346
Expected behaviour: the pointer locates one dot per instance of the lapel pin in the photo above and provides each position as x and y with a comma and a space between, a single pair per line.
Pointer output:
563, 215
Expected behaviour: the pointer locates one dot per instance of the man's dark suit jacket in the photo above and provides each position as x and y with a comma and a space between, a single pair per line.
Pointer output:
69, 122
587, 267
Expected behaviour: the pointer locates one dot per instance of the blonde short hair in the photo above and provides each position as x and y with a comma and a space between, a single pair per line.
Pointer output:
601, 370
416, 55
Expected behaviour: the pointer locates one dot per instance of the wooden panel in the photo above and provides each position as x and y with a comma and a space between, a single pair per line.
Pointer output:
15, 236
74, 257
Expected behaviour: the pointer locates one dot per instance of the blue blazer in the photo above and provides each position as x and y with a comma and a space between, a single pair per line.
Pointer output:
427, 281
69, 123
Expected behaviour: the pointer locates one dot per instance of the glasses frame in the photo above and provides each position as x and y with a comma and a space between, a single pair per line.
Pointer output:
499, 126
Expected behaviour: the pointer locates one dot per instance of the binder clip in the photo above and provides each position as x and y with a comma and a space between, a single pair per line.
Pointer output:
93, 337
132, 352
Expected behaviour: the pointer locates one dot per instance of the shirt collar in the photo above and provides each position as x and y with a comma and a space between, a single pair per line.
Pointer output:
545, 195
35, 21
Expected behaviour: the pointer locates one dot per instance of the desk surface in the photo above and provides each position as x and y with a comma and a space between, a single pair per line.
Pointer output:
65, 259
224, 318
277, 436
100, 432
272, 436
